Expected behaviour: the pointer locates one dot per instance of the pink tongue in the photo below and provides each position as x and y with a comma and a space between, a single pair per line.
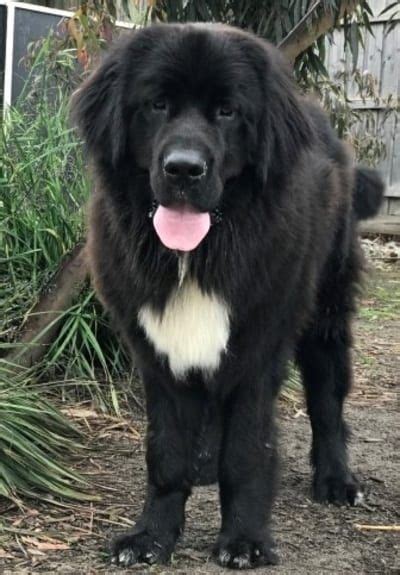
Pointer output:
181, 228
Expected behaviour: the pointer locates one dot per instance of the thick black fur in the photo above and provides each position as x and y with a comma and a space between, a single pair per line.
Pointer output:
285, 258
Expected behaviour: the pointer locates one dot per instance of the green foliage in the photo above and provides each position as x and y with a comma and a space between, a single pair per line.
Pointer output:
356, 125
273, 20
267, 18
35, 441
42, 186
44, 189
383, 302
91, 29
42, 193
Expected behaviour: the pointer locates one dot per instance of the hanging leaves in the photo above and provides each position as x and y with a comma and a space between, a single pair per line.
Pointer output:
300, 22
91, 29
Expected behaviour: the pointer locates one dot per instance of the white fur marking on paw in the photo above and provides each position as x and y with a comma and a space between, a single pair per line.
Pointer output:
192, 331
359, 498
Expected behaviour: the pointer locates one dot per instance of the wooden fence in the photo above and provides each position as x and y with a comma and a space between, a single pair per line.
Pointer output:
381, 58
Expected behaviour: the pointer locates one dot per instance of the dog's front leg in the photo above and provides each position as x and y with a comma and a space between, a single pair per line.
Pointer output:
247, 476
154, 536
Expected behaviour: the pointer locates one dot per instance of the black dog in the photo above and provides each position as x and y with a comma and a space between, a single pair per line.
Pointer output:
223, 240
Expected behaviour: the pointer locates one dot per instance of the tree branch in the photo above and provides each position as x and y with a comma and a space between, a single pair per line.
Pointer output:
312, 26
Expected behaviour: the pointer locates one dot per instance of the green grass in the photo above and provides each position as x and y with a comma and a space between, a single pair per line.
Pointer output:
36, 440
43, 194
366, 361
44, 189
381, 302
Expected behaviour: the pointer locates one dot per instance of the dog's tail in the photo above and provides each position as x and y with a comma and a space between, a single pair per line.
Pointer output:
368, 192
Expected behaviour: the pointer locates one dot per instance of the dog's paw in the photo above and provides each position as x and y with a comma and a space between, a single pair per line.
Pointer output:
339, 489
241, 553
139, 547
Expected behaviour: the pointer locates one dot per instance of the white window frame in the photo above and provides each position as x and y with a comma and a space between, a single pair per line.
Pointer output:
11, 7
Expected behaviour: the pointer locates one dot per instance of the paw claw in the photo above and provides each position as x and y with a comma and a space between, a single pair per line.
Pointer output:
127, 557
150, 558
139, 547
240, 553
224, 557
242, 562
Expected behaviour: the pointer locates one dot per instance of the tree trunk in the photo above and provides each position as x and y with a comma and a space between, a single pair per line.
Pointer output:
42, 322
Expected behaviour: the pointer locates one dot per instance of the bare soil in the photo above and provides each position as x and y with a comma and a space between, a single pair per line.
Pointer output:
311, 538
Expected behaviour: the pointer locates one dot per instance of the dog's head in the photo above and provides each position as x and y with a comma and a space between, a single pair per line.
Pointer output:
193, 106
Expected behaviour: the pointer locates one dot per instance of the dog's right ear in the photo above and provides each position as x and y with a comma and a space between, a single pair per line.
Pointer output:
96, 108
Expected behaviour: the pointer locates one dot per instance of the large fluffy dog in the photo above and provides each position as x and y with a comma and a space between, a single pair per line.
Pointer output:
223, 242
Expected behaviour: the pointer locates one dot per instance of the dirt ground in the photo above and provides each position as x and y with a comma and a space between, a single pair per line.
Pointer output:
311, 539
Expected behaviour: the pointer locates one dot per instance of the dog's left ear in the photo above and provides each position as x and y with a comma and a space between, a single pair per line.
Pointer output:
96, 109
285, 129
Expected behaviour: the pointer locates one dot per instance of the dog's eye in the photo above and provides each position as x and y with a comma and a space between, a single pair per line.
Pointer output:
159, 105
225, 111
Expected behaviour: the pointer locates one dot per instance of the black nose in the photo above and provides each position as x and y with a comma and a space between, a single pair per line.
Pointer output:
184, 165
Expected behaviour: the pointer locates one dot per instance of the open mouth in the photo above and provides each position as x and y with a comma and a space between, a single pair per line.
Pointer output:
181, 227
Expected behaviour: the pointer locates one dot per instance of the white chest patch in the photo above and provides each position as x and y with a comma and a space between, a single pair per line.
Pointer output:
193, 331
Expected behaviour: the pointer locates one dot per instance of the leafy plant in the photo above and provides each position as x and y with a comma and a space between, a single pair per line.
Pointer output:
35, 441
356, 125
91, 29
393, 9
43, 192
44, 189
275, 21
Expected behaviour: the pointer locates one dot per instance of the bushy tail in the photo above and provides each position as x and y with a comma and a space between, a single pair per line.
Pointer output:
368, 192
